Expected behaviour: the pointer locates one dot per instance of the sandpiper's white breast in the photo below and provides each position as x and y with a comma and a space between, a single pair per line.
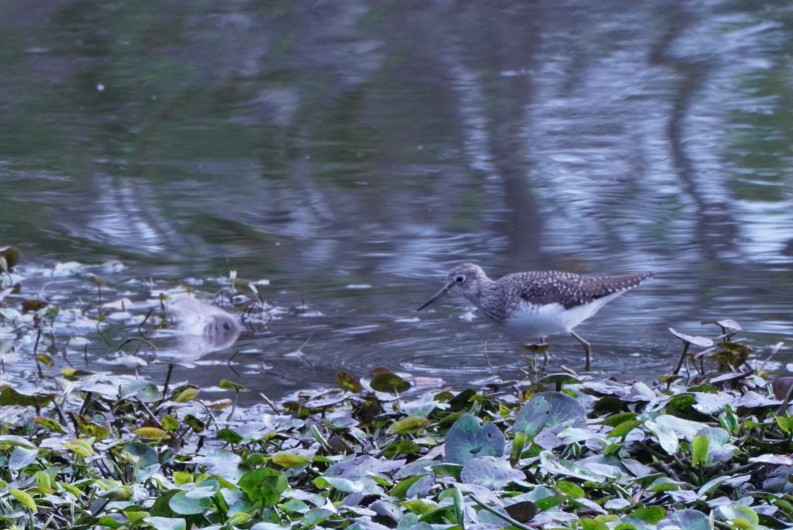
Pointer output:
532, 322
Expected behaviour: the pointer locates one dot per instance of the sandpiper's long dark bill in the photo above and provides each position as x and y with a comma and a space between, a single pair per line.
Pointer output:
534, 305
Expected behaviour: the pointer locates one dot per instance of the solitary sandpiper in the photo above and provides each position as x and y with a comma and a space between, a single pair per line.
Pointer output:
534, 305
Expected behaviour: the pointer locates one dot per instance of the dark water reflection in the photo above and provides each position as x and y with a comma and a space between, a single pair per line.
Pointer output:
333, 146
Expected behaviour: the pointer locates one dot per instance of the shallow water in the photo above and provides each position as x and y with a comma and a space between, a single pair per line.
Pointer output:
351, 152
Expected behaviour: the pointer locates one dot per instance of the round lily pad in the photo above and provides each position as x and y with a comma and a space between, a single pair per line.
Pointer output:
467, 439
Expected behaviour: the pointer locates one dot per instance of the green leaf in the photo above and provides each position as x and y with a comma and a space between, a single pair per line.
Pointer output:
188, 394
193, 501
166, 523
50, 424
420, 506
623, 429
342, 484
409, 424
229, 436
785, 423
225, 384
264, 485
546, 410
518, 443
571, 490
592, 524
9, 396
79, 446
490, 472
388, 382
348, 382
466, 439
290, 460
24, 499
621, 417
169, 423
400, 490
21, 457
649, 514
686, 520
699, 451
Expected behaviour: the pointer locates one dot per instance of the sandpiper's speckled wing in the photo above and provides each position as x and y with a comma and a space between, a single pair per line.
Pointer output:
569, 289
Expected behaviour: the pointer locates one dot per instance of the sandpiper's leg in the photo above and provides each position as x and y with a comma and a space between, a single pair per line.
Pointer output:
587, 348
545, 356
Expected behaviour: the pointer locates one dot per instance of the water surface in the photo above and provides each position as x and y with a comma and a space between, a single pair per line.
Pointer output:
351, 152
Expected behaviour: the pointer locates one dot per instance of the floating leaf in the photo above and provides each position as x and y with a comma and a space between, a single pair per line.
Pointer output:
571, 490
388, 382
546, 410
229, 436
290, 460
648, 514
341, 484
166, 523
264, 485
522, 511
737, 516
9, 396
50, 424
685, 520
592, 524
491, 472
420, 506
21, 457
409, 424
466, 439
152, 433
192, 501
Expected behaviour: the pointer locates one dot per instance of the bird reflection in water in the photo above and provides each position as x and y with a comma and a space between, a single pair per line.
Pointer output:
202, 328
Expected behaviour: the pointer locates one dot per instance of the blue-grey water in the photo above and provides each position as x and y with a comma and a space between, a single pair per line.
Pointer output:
350, 152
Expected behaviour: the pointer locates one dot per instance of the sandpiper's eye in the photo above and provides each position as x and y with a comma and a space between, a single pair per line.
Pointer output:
459, 279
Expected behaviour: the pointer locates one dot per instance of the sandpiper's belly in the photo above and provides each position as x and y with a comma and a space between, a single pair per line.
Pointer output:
532, 322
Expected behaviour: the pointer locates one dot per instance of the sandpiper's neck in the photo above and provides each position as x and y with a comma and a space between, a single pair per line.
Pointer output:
484, 293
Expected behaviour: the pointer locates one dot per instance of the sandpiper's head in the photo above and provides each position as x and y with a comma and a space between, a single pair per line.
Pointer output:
463, 279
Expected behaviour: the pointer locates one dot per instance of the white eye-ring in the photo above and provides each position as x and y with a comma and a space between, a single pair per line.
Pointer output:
459, 279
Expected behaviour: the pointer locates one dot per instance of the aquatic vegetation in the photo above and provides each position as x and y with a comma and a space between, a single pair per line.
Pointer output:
89, 451
86, 449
